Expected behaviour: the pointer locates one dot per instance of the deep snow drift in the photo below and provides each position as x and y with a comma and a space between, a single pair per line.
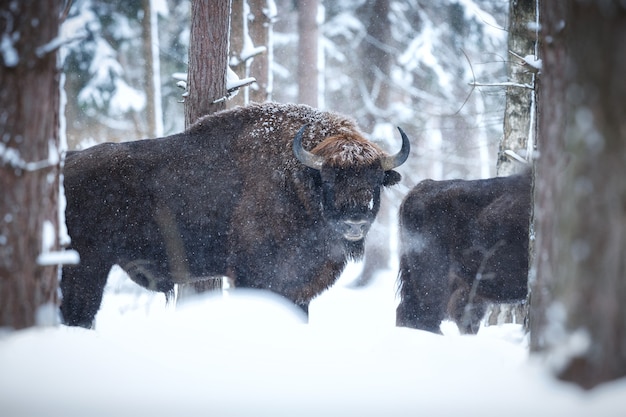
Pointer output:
243, 354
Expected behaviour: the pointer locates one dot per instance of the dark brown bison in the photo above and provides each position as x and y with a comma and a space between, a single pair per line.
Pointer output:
464, 244
237, 194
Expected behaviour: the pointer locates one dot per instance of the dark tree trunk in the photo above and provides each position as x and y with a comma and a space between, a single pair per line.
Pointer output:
29, 155
580, 213
208, 58
307, 52
206, 79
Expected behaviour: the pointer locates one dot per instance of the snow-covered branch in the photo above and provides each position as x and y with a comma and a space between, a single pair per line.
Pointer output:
12, 158
504, 84
531, 62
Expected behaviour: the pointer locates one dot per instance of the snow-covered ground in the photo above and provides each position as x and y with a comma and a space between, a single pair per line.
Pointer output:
243, 354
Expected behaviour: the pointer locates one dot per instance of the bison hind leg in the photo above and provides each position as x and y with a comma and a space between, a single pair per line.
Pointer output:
464, 308
144, 273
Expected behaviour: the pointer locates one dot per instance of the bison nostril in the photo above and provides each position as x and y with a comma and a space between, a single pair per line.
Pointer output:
356, 223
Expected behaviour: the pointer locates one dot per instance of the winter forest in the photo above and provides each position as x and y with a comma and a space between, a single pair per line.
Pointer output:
483, 88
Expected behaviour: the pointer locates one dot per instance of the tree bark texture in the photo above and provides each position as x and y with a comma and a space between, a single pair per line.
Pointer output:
208, 58
307, 52
29, 159
519, 117
206, 81
579, 288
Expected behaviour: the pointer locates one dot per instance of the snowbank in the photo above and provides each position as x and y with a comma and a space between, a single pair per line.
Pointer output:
250, 354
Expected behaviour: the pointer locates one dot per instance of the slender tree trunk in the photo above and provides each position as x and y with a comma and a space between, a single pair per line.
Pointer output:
236, 43
579, 289
208, 58
519, 112
152, 85
29, 160
307, 52
260, 28
519, 121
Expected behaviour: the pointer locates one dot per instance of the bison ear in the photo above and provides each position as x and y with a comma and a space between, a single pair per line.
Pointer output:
391, 178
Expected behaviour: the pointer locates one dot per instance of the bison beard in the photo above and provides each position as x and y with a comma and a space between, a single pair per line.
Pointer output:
275, 196
464, 244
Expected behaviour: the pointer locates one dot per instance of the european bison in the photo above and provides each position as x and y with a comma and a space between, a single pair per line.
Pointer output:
237, 194
464, 244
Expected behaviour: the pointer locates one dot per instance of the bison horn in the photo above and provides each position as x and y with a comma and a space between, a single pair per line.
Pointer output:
307, 158
393, 161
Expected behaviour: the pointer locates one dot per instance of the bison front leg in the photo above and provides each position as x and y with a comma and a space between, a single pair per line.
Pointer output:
424, 290
82, 287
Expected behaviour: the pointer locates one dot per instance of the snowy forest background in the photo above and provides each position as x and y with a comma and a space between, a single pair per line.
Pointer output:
240, 354
434, 51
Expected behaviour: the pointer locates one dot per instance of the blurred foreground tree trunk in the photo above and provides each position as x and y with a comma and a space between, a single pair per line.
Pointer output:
29, 160
206, 81
520, 122
579, 288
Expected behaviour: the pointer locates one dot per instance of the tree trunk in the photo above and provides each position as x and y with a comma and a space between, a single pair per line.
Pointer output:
307, 52
29, 161
579, 289
152, 86
208, 58
519, 122
260, 28
236, 43
519, 112
206, 80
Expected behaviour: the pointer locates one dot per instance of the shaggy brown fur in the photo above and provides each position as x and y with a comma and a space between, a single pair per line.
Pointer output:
463, 244
226, 197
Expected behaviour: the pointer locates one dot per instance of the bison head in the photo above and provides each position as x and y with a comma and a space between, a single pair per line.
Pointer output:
352, 171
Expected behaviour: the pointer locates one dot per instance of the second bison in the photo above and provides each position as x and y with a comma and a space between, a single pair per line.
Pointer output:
464, 244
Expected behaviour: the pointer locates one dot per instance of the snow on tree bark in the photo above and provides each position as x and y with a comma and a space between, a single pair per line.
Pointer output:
236, 44
518, 114
29, 160
579, 289
519, 119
